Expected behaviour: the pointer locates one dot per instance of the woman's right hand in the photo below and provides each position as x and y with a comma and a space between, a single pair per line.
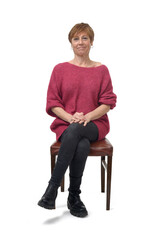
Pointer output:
77, 117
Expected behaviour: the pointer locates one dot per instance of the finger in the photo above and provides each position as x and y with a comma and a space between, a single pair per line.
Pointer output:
77, 120
81, 121
85, 123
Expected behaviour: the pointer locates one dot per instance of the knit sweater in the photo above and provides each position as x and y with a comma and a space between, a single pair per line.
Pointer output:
79, 89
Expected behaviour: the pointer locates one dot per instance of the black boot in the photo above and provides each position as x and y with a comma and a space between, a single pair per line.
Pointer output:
75, 205
48, 199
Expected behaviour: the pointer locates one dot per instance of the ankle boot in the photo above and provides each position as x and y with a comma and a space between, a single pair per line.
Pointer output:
48, 199
75, 205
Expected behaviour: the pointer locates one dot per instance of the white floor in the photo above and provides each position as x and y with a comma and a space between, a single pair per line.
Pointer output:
134, 211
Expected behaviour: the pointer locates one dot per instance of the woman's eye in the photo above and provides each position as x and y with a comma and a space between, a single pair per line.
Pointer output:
76, 38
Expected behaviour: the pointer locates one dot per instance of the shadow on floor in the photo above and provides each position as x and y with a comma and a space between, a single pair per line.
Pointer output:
56, 219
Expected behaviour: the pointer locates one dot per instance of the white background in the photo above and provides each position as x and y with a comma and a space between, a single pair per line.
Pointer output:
33, 40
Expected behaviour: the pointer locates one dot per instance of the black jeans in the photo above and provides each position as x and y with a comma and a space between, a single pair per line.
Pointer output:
75, 145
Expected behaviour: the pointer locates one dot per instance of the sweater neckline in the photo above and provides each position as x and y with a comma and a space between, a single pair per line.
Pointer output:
71, 64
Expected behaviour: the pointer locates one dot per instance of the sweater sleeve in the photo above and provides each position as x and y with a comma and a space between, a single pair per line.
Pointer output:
106, 95
53, 95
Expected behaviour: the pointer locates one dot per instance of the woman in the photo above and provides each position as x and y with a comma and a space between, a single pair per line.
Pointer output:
80, 93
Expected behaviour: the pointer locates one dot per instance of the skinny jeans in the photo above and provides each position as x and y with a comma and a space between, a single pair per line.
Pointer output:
73, 152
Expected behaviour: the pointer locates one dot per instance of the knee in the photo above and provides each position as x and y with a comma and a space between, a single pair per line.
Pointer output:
83, 145
74, 129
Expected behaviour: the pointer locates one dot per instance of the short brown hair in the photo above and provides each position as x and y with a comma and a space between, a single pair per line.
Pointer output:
80, 27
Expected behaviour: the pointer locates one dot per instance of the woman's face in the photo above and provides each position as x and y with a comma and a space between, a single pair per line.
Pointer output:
81, 44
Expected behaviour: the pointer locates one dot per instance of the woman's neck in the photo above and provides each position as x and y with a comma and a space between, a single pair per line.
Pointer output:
82, 61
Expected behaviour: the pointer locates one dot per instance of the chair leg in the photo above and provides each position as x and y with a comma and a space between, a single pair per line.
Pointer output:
102, 174
62, 185
53, 160
109, 172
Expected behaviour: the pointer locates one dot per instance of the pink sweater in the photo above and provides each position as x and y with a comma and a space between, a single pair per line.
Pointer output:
79, 89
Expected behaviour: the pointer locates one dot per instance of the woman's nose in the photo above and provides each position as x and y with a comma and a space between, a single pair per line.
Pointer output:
80, 41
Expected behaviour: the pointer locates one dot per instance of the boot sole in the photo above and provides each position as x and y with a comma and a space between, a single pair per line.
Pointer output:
42, 204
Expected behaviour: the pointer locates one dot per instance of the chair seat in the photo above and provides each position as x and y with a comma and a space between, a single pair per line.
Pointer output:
97, 148
101, 148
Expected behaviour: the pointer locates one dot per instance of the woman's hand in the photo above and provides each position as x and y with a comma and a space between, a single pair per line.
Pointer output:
77, 117
87, 119
80, 118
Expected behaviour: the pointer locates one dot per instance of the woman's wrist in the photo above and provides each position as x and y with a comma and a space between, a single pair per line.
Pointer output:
69, 118
88, 116
61, 113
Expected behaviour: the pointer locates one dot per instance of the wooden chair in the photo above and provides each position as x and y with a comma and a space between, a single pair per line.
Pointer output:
101, 148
